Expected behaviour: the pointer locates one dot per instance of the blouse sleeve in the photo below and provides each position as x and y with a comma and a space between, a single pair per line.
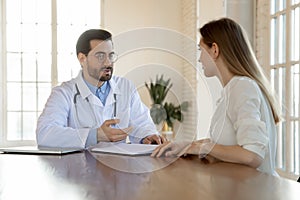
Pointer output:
245, 113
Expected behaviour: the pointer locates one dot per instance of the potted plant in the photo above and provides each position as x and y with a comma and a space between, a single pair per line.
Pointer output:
174, 113
161, 112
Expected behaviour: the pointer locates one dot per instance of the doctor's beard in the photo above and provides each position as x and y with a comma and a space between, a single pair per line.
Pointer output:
104, 74
107, 73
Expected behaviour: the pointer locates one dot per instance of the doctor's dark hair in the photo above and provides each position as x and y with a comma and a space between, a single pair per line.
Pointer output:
238, 56
83, 42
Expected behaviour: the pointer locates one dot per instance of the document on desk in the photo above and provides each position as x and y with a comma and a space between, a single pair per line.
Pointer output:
124, 148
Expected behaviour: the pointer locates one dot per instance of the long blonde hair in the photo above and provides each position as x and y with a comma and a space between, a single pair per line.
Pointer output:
236, 51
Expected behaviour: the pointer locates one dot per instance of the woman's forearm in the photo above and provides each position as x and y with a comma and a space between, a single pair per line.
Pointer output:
235, 154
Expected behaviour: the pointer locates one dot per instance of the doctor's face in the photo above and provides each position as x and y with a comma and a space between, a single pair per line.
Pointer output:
98, 65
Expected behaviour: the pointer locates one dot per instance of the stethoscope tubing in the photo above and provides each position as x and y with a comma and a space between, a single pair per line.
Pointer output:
92, 110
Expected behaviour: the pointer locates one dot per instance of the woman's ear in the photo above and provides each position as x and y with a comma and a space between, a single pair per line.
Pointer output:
81, 58
215, 50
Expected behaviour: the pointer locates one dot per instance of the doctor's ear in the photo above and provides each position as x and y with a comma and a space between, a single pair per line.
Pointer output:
81, 58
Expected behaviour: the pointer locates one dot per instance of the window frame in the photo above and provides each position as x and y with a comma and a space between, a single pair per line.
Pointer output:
286, 152
54, 67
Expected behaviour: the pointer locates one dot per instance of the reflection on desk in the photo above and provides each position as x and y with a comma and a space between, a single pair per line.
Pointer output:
133, 164
81, 176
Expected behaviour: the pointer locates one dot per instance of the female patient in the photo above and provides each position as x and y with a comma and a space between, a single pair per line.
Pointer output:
243, 128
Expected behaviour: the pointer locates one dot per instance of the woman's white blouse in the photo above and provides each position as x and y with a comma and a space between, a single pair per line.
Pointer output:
244, 117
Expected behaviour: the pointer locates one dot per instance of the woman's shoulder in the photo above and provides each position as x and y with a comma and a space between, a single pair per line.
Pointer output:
242, 86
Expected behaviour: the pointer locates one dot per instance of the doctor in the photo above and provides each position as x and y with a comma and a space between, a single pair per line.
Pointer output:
95, 106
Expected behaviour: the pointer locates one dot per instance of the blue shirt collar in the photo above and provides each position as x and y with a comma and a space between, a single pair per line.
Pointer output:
93, 88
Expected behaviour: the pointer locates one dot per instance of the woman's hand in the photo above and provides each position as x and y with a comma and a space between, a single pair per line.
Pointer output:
177, 148
154, 139
200, 147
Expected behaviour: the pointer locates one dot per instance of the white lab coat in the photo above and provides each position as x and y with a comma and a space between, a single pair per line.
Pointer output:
64, 123
244, 117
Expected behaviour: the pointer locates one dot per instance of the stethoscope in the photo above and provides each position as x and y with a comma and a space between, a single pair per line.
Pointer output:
90, 106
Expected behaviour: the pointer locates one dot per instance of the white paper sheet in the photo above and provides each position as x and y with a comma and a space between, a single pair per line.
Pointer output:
124, 149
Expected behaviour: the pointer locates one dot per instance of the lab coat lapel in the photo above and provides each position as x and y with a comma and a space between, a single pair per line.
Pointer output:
114, 89
85, 92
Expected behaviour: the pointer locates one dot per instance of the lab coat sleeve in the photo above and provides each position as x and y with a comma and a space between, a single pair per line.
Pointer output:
53, 128
141, 120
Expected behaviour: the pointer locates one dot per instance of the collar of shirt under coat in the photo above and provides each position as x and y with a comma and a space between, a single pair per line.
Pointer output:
86, 92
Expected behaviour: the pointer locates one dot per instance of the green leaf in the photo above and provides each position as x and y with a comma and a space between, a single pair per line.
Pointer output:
158, 91
184, 105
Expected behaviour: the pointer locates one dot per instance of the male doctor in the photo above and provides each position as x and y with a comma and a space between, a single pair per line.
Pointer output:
95, 106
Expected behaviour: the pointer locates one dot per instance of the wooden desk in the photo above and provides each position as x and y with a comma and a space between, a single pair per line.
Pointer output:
81, 176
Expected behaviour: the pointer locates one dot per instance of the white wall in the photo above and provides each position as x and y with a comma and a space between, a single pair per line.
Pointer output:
242, 11
124, 15
146, 37
207, 14
210, 10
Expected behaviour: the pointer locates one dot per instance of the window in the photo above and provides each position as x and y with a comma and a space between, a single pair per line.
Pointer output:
284, 66
38, 52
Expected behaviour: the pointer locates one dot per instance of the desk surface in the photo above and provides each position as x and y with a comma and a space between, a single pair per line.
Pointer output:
81, 176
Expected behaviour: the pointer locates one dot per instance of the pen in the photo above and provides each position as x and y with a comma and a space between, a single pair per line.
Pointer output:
115, 106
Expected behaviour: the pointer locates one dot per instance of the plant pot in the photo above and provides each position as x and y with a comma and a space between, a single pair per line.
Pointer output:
167, 132
158, 115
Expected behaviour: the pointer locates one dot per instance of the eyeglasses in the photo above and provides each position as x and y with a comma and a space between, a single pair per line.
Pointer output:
112, 57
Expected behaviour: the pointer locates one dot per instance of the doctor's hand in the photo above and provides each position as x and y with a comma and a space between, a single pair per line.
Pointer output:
105, 133
177, 148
